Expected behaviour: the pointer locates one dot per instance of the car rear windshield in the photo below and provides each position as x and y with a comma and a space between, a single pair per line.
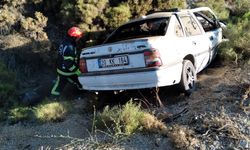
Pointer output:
140, 29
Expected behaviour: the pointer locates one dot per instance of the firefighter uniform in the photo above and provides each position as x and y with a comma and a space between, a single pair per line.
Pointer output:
67, 68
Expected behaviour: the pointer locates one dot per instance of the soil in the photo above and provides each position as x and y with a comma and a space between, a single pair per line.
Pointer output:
219, 95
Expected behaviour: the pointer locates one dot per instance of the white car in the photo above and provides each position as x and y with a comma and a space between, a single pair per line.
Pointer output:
160, 49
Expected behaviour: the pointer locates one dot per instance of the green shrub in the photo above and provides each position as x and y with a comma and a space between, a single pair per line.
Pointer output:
12, 17
162, 4
218, 6
240, 7
109, 118
115, 16
130, 116
121, 120
227, 53
139, 7
238, 47
34, 27
128, 119
51, 111
81, 12
9, 16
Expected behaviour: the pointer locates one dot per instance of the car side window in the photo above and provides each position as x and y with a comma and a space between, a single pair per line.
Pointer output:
207, 20
190, 25
178, 29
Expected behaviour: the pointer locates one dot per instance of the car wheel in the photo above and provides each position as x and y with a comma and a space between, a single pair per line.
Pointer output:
188, 77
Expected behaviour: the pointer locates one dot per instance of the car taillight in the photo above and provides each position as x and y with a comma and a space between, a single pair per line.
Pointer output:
83, 66
152, 58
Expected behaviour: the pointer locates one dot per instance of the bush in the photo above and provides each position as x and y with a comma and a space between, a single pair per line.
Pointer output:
33, 27
9, 16
51, 111
7, 85
162, 4
139, 7
240, 7
83, 13
218, 6
238, 49
122, 120
128, 119
227, 53
116, 16
12, 18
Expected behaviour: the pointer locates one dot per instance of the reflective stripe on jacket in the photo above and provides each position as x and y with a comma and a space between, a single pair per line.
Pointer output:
67, 58
77, 72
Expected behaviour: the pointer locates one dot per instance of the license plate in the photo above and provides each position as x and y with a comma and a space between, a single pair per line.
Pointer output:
113, 62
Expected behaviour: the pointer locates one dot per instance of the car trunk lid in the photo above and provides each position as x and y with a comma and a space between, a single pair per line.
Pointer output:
116, 56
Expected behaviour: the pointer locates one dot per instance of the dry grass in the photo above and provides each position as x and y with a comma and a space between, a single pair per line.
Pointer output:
52, 111
183, 138
151, 124
224, 125
120, 122
130, 119
19, 114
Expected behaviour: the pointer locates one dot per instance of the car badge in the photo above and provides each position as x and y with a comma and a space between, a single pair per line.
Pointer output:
110, 49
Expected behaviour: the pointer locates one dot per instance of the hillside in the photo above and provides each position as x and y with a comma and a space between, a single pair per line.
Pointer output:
215, 116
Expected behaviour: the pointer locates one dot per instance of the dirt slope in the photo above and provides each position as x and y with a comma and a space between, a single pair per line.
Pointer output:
213, 113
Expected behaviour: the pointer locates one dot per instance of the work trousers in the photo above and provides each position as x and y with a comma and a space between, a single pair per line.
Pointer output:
61, 83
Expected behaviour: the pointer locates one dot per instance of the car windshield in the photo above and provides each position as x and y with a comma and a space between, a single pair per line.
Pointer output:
140, 29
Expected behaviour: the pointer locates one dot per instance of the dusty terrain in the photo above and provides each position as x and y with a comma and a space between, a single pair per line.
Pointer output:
216, 116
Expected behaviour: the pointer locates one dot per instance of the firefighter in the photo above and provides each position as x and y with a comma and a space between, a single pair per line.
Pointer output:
67, 63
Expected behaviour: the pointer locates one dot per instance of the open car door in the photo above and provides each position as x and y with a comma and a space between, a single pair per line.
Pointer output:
212, 28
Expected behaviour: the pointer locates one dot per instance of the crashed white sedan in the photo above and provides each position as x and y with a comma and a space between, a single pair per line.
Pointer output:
160, 49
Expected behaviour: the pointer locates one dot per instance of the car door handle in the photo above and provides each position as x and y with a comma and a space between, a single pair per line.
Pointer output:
211, 38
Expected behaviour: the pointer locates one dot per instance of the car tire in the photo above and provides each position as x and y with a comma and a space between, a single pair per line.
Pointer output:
188, 77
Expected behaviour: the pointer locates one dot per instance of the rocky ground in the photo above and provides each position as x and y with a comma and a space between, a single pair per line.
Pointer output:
216, 116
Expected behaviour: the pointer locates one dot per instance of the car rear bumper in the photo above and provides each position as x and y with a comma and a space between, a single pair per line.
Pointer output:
134, 80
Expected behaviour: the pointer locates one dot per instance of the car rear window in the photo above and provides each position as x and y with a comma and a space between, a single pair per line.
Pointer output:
140, 29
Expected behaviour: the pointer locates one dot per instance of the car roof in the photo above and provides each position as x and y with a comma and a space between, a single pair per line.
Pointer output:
168, 13
152, 16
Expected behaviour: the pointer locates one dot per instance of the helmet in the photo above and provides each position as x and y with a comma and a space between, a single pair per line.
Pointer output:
75, 32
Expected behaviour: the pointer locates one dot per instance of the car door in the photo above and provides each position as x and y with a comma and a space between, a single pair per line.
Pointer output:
198, 44
212, 29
